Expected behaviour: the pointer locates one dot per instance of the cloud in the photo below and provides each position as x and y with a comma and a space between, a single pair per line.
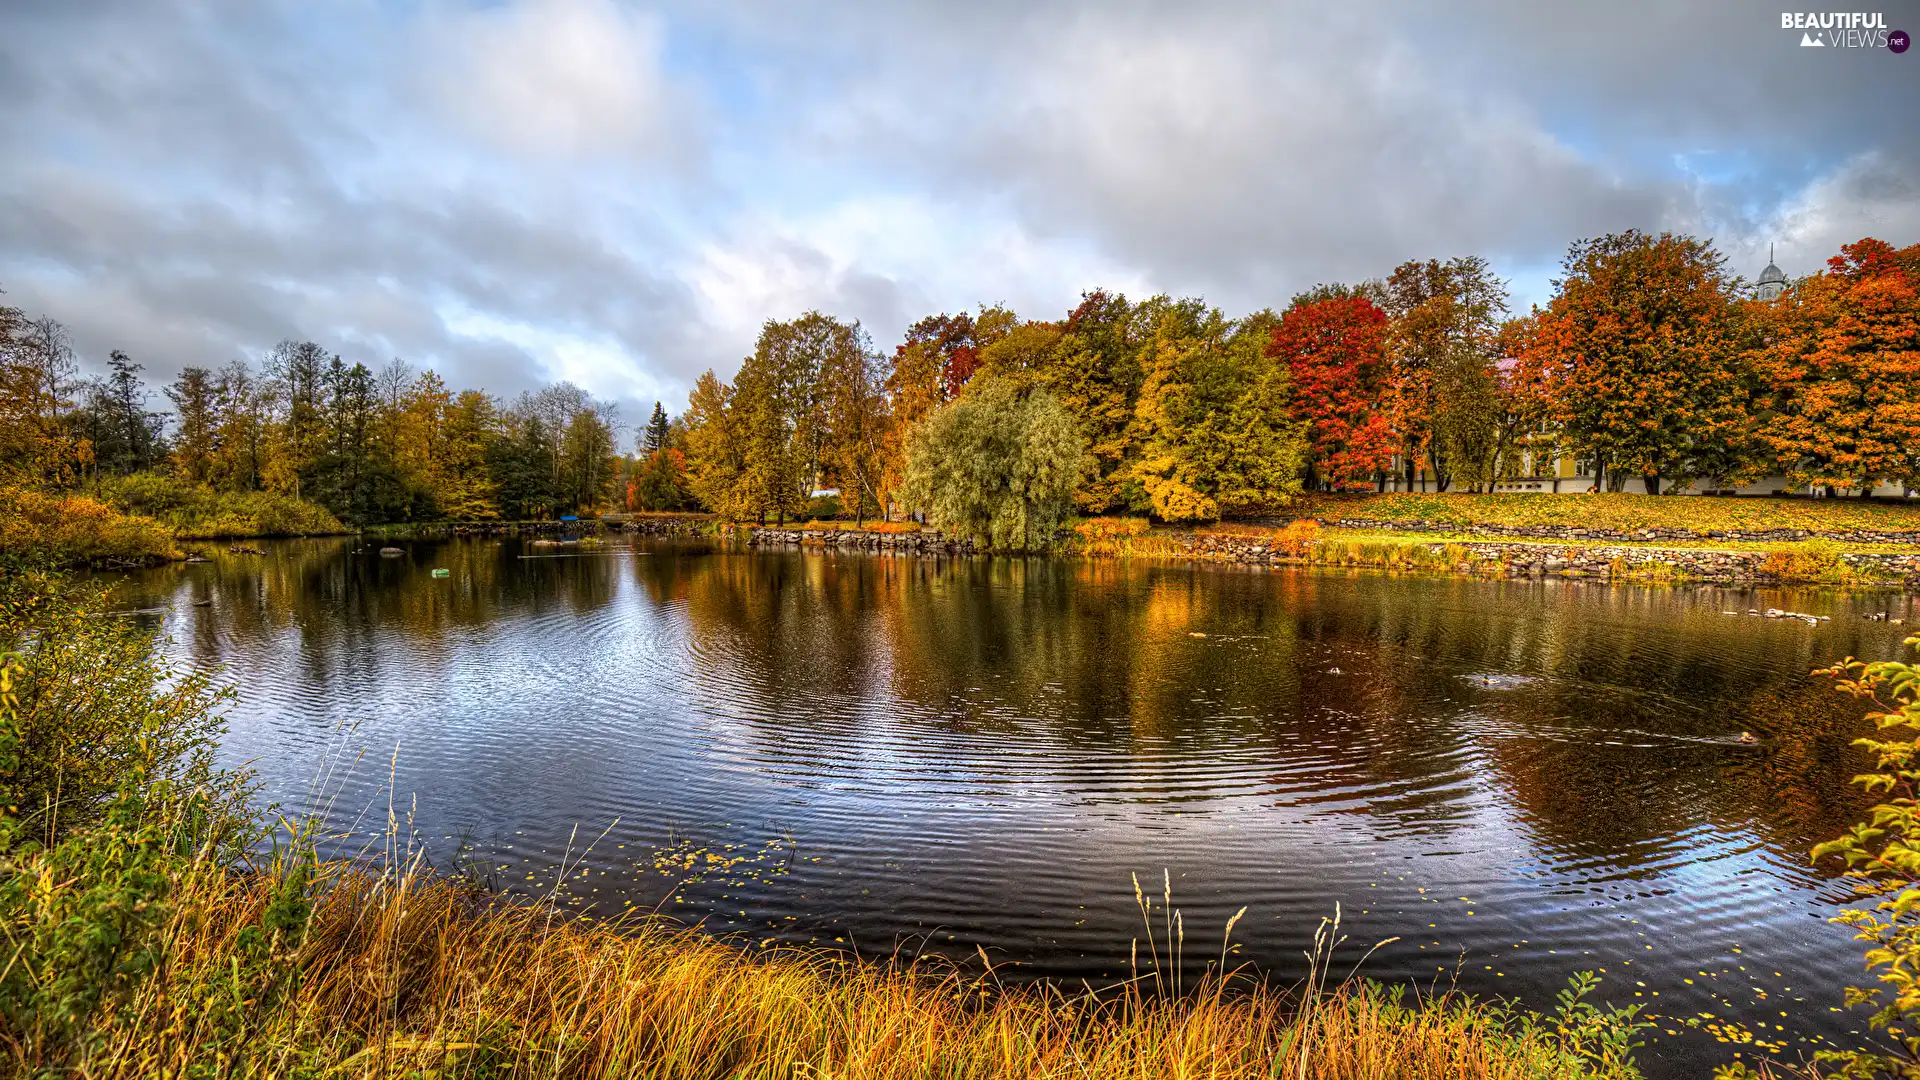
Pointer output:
566, 78
620, 193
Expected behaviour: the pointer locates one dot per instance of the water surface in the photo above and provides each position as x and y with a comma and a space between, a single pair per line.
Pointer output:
1517, 779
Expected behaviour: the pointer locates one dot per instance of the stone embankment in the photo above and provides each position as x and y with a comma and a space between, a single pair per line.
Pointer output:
1603, 561
1580, 534
926, 542
689, 525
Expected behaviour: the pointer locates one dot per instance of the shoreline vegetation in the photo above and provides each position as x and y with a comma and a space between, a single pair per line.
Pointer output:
1616, 537
154, 931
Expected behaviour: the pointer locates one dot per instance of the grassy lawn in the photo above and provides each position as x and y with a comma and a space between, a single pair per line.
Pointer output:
1377, 536
1616, 511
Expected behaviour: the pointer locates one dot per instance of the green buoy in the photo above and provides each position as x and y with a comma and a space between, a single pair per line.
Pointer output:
441, 572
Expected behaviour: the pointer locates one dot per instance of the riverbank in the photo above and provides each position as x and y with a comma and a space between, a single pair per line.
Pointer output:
410, 974
1308, 544
1620, 517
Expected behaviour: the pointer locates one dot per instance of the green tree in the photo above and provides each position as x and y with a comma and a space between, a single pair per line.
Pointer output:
998, 465
658, 432
587, 459
853, 453
1212, 413
1095, 372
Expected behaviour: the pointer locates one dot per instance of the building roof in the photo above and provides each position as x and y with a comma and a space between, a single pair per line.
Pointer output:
1772, 274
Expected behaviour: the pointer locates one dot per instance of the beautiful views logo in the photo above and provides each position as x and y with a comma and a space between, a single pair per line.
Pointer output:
1844, 30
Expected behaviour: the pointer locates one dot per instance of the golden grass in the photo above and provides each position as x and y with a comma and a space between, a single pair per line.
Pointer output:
416, 976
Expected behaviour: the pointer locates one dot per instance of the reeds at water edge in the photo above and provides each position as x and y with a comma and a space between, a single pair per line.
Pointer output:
407, 973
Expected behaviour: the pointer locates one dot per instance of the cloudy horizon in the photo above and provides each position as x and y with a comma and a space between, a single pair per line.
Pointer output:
618, 194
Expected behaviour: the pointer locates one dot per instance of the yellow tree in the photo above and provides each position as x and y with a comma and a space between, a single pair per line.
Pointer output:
420, 433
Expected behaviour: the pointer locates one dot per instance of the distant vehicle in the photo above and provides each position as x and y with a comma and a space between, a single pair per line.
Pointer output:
569, 517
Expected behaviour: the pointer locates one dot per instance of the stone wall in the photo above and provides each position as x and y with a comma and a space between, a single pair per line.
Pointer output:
1480, 557
1603, 561
925, 542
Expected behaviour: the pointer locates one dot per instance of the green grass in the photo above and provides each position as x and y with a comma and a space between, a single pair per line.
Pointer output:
1616, 511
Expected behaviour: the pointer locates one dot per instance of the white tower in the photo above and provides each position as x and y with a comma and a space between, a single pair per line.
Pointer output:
1772, 281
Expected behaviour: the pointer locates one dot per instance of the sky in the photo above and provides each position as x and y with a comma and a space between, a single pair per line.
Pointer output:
619, 194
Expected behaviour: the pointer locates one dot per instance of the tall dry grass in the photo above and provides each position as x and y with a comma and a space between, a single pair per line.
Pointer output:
414, 975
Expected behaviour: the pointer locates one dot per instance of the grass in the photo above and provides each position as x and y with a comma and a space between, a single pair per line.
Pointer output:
76, 530
1619, 512
413, 975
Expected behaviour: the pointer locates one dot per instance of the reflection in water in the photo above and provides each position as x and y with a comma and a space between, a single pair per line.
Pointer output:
1519, 779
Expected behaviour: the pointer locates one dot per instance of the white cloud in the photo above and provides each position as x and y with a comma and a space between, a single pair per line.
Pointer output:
565, 78
1868, 195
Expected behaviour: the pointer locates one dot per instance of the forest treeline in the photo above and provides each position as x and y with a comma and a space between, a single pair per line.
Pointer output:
1650, 361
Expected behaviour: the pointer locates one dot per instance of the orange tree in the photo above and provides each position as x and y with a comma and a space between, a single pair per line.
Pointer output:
1639, 356
1841, 358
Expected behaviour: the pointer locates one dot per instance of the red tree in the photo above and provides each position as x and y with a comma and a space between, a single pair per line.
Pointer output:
1336, 350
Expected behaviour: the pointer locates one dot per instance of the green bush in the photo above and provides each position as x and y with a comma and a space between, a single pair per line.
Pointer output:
197, 512
110, 808
93, 704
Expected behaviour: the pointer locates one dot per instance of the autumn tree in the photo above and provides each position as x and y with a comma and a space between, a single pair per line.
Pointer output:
1213, 415
241, 441
716, 459
196, 423
1840, 354
39, 377
470, 427
1333, 345
857, 423
1443, 398
1640, 355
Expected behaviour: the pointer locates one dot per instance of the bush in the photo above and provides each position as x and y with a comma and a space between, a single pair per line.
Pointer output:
822, 508
1812, 561
1108, 535
93, 703
74, 530
197, 512
1298, 538
1882, 857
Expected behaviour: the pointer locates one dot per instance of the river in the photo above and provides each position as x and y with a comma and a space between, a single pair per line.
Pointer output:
1516, 779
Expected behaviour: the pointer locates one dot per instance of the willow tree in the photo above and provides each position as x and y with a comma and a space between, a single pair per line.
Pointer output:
998, 465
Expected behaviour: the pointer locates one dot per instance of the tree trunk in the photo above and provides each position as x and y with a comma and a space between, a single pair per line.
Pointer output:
1652, 480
